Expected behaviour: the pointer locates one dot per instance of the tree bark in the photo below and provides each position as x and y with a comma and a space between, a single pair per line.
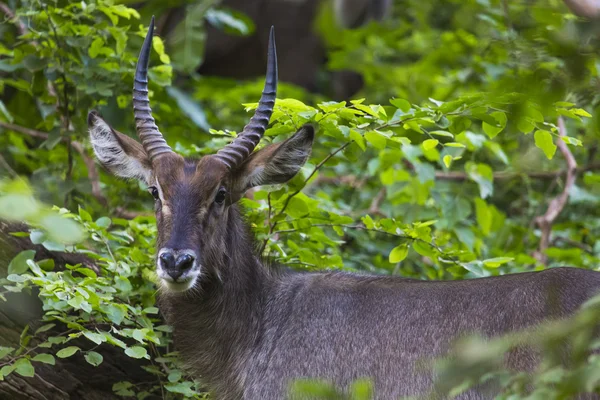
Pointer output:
70, 378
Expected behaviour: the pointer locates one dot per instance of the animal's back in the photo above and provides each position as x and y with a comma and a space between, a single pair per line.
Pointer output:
342, 327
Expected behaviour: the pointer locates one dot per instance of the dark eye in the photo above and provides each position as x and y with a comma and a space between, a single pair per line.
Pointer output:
154, 192
220, 198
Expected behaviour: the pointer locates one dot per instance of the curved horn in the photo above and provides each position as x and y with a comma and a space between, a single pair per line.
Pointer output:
237, 151
152, 140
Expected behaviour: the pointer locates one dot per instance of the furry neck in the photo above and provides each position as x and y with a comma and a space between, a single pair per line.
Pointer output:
216, 323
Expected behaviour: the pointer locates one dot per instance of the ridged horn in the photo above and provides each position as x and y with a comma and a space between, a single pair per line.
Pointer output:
153, 141
243, 145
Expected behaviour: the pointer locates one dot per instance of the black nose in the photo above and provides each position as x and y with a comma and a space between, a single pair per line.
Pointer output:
176, 266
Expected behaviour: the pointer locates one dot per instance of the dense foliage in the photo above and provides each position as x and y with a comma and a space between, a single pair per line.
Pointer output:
443, 167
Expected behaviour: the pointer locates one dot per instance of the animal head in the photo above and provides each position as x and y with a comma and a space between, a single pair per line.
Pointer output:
193, 196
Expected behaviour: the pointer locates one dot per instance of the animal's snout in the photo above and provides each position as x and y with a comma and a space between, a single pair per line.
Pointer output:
176, 262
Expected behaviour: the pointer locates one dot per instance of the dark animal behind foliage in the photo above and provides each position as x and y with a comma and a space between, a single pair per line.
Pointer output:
248, 332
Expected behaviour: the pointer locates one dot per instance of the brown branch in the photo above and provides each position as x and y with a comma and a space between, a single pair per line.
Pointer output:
7, 167
11, 15
573, 243
354, 181
361, 226
287, 201
93, 174
584, 8
558, 203
376, 203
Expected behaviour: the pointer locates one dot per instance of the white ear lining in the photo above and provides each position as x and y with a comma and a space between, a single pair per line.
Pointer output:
281, 167
111, 155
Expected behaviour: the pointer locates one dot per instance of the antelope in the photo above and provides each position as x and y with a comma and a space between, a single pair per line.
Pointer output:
248, 330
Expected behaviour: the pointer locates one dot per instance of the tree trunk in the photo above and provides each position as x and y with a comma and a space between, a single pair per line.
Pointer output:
70, 378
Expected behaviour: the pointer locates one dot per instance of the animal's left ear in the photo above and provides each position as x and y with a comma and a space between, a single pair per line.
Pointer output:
276, 163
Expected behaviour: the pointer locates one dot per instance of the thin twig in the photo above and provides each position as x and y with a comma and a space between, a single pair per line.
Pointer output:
11, 15
376, 203
8, 168
287, 201
361, 226
573, 243
354, 181
558, 203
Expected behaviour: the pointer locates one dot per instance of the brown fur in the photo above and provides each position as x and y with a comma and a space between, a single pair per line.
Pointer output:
249, 331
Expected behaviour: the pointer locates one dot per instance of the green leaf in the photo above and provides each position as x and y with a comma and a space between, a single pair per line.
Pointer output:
582, 112
543, 140
94, 337
496, 262
93, 358
44, 358
358, 139
524, 125
424, 249
376, 139
159, 47
44, 328
483, 215
136, 352
230, 21
103, 222
398, 253
186, 41
442, 133
447, 160
120, 37
18, 264
4, 351
67, 352
24, 368
61, 230
430, 144
493, 130
189, 107
174, 376
184, 388
368, 221
6, 370
571, 140
85, 216
297, 207
97, 48
361, 389
34, 63
115, 313
482, 174
401, 104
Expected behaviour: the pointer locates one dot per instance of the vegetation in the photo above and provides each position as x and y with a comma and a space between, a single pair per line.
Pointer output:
469, 152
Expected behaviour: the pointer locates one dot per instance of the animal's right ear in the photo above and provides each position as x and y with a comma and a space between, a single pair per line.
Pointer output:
120, 154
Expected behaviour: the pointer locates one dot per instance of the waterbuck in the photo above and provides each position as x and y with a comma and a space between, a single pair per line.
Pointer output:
248, 330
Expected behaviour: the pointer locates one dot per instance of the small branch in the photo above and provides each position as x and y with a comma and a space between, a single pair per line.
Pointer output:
354, 181
557, 204
573, 243
376, 203
26, 131
7, 167
11, 15
361, 226
287, 201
